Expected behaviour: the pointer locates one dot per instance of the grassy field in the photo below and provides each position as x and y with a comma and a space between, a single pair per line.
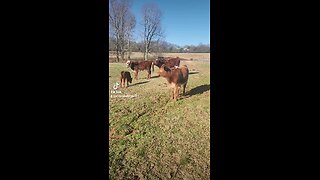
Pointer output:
188, 56
153, 137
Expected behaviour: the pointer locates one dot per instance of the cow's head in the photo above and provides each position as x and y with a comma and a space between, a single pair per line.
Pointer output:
163, 70
158, 62
128, 63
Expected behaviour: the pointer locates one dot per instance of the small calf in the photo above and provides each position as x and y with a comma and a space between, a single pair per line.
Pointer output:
125, 78
177, 77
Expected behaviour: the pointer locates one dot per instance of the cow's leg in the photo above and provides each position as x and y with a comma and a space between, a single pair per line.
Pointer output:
184, 89
177, 92
149, 74
124, 82
121, 82
136, 74
172, 93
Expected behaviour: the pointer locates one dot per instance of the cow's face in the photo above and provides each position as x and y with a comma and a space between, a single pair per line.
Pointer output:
128, 63
163, 70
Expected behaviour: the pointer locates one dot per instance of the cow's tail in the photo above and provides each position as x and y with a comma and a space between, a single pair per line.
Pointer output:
152, 65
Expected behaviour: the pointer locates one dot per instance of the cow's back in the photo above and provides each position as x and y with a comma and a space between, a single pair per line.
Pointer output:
173, 62
179, 75
142, 65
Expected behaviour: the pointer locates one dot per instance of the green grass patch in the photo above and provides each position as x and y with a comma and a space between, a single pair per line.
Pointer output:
160, 138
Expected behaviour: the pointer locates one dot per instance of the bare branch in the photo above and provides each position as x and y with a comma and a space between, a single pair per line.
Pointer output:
122, 23
152, 26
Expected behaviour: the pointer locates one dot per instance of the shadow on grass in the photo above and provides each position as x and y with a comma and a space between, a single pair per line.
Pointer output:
154, 77
139, 83
198, 90
195, 72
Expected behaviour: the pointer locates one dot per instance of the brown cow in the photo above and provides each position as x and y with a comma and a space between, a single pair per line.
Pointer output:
176, 77
140, 66
125, 78
168, 62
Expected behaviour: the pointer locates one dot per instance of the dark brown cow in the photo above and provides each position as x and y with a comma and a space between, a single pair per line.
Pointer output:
168, 62
125, 78
163, 58
177, 77
140, 66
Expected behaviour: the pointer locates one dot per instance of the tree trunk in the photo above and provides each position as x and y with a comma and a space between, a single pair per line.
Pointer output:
129, 50
122, 55
117, 51
146, 53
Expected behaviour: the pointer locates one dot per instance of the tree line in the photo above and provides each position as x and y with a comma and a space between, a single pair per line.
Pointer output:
163, 47
122, 23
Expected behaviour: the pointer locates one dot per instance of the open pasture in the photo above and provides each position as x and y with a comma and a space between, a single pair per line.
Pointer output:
153, 137
186, 56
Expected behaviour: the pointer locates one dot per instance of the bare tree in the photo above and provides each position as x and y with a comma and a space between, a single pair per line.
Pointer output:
121, 23
152, 31
130, 24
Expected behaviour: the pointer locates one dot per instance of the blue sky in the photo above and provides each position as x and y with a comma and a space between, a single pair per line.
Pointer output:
185, 22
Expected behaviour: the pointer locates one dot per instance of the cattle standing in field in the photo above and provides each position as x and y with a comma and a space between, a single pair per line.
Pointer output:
125, 78
140, 66
168, 62
177, 77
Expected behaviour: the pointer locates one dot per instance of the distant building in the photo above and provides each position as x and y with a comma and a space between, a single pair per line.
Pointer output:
186, 50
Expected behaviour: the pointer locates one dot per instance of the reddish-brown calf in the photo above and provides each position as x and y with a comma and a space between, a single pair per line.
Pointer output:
176, 77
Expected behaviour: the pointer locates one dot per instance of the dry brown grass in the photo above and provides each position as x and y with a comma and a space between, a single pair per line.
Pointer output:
188, 56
